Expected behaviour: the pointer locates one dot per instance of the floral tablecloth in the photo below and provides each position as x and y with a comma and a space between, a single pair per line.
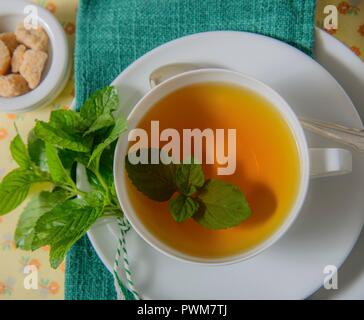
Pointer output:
50, 282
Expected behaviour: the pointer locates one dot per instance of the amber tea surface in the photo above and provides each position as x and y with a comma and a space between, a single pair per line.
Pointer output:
267, 167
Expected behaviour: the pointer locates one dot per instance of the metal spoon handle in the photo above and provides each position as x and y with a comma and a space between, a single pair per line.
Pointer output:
349, 136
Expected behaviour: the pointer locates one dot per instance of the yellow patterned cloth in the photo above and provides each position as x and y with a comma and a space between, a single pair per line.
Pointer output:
50, 282
350, 23
12, 260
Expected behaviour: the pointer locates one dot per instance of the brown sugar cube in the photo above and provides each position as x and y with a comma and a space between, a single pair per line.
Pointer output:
5, 58
10, 41
32, 67
36, 39
13, 85
17, 59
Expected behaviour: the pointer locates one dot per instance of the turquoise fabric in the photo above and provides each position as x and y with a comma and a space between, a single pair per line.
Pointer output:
112, 34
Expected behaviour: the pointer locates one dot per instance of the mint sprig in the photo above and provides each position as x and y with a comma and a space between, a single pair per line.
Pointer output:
214, 204
62, 215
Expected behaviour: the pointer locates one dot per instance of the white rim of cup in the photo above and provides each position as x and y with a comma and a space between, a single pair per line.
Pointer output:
122, 147
60, 67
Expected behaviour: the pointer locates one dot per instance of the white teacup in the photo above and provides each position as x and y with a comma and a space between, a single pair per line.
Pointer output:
314, 162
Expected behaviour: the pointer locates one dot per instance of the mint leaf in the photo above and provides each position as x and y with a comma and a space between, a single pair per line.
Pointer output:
104, 121
222, 206
57, 254
38, 205
189, 177
61, 138
36, 150
107, 163
58, 173
156, 181
106, 169
19, 152
183, 207
95, 199
119, 127
68, 120
67, 219
102, 101
69, 157
14, 188
62, 226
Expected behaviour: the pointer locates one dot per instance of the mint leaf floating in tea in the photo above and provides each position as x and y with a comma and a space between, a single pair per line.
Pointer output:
183, 207
189, 177
214, 204
156, 181
223, 205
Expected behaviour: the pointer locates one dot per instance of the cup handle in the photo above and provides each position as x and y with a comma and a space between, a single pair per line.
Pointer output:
326, 162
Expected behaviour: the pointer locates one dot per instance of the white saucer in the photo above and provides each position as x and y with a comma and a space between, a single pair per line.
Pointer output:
348, 70
330, 221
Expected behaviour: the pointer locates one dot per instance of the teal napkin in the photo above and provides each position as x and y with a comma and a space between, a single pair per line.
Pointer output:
112, 34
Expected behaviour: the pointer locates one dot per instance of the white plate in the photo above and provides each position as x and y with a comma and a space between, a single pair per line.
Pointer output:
348, 70
331, 219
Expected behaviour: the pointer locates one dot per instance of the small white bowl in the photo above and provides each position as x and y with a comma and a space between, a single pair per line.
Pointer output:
58, 67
